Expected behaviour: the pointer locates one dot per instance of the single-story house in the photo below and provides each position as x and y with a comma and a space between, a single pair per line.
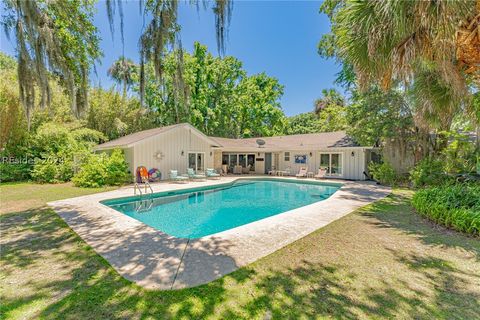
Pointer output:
181, 146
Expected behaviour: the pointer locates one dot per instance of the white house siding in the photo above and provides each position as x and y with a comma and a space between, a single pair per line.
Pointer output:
129, 159
260, 165
171, 144
353, 167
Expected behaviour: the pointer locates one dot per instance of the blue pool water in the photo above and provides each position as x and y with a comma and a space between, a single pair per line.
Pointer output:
199, 212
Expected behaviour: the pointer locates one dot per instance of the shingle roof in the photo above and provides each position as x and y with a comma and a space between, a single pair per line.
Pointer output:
293, 142
311, 141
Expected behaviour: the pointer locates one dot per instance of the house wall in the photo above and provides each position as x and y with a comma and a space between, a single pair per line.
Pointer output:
217, 160
353, 166
171, 144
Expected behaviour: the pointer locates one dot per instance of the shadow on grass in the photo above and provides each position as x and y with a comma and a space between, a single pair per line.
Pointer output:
395, 212
310, 289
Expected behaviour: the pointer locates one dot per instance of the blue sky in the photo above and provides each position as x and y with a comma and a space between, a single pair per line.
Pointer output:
276, 37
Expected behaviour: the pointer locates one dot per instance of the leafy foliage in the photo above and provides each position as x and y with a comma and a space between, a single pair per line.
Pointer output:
56, 148
456, 206
219, 98
100, 170
123, 71
376, 114
328, 115
53, 38
428, 172
114, 116
383, 173
303, 123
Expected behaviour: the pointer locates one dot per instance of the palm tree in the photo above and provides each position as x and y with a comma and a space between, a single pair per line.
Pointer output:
330, 97
386, 40
432, 47
122, 72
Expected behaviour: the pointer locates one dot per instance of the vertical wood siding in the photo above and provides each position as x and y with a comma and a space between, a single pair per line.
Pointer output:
171, 144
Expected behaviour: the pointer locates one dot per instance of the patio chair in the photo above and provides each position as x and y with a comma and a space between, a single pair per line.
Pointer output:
321, 173
237, 170
302, 173
212, 173
246, 170
192, 175
175, 177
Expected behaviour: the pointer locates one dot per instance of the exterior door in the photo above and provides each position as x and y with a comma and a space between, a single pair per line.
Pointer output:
268, 162
196, 161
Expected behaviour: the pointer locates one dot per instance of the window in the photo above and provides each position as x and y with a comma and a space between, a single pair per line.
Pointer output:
332, 162
243, 159
287, 156
196, 161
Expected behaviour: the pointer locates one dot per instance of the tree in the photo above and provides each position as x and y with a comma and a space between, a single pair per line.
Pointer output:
53, 38
385, 41
303, 123
122, 72
330, 97
219, 98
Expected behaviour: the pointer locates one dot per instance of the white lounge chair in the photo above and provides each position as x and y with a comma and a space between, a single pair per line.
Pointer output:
321, 173
212, 173
237, 169
175, 177
302, 173
246, 170
193, 175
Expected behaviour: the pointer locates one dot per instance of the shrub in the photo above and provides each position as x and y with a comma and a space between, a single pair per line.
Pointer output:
383, 173
117, 169
100, 169
45, 171
428, 172
14, 172
456, 206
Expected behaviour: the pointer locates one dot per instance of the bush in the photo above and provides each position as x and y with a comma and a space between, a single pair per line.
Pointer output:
14, 172
100, 169
428, 172
383, 173
456, 206
117, 169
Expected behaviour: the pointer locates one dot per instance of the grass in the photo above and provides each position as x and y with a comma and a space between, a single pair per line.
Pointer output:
383, 261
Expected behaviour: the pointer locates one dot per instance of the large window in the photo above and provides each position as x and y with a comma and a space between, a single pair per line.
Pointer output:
242, 159
332, 162
196, 161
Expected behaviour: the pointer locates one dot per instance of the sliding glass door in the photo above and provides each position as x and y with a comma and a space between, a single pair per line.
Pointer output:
196, 161
332, 162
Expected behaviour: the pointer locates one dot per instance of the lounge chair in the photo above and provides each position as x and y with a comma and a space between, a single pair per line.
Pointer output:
237, 169
192, 175
246, 170
212, 173
302, 173
175, 177
321, 173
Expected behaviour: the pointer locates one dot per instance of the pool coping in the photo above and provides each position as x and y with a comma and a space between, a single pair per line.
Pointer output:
156, 260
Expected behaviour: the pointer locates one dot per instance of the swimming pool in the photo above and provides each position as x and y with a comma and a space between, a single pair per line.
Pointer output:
198, 212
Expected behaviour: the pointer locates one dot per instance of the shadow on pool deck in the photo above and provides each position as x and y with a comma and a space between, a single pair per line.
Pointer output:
297, 282
149, 257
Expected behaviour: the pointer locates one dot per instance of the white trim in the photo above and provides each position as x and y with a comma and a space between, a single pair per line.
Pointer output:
196, 163
330, 162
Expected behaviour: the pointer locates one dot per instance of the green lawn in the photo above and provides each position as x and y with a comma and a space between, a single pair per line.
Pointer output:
383, 261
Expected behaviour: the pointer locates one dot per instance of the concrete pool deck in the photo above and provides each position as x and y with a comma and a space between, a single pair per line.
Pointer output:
155, 260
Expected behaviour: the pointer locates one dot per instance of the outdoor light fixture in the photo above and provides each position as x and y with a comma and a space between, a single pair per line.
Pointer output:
183, 152
353, 153
310, 154
210, 153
